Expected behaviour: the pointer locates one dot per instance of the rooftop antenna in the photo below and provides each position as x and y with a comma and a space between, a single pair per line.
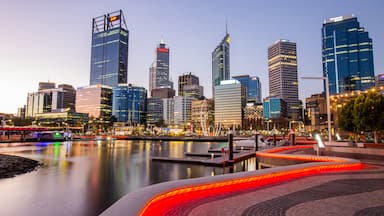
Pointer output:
226, 27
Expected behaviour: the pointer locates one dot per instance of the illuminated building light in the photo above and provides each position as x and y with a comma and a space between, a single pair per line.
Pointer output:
166, 203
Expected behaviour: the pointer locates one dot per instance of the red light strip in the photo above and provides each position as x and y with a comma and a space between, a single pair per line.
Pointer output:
169, 202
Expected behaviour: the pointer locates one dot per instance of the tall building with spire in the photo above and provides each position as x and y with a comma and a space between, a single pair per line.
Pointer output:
109, 54
282, 68
347, 55
220, 62
159, 70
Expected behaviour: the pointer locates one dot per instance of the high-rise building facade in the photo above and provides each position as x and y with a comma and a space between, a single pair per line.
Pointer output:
253, 87
95, 100
274, 108
109, 54
282, 68
182, 110
380, 80
163, 92
159, 70
230, 99
155, 112
347, 55
129, 104
189, 86
220, 63
50, 99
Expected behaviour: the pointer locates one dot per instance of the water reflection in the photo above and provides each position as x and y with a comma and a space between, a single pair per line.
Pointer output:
84, 178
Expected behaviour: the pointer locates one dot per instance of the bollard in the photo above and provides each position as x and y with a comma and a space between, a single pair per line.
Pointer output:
256, 142
293, 139
257, 149
230, 142
274, 139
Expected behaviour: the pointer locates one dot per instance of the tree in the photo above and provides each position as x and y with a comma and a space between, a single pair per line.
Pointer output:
346, 117
364, 114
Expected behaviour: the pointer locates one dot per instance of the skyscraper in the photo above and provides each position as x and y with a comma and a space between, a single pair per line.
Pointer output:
253, 87
109, 54
282, 68
230, 99
347, 55
220, 63
129, 104
95, 100
159, 70
189, 86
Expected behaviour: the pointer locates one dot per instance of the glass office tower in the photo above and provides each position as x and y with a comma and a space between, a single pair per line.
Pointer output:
253, 87
129, 104
220, 63
159, 70
347, 55
109, 55
282, 69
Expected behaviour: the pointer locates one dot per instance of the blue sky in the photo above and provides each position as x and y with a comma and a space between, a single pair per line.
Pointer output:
45, 40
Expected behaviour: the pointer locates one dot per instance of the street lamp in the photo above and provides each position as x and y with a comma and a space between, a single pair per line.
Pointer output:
328, 103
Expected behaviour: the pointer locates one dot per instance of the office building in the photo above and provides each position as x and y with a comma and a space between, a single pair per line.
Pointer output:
275, 108
50, 99
253, 116
159, 70
46, 85
182, 110
155, 112
168, 111
163, 92
221, 63
129, 104
230, 99
96, 101
109, 54
189, 86
282, 68
253, 87
347, 55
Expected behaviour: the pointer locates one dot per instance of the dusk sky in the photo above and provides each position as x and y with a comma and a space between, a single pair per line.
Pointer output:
45, 40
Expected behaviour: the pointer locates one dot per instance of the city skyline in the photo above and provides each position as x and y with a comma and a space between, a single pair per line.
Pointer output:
38, 51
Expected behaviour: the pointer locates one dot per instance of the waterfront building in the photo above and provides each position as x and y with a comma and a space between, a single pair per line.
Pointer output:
339, 100
182, 110
63, 119
21, 112
253, 116
163, 92
129, 104
230, 99
109, 54
96, 101
155, 112
189, 86
253, 87
316, 107
220, 62
347, 55
282, 68
202, 115
159, 70
168, 111
274, 108
49, 99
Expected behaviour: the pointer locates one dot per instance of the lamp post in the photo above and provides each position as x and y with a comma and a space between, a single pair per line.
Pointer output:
328, 103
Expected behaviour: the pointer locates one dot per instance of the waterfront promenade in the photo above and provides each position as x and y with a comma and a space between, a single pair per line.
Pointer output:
313, 189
